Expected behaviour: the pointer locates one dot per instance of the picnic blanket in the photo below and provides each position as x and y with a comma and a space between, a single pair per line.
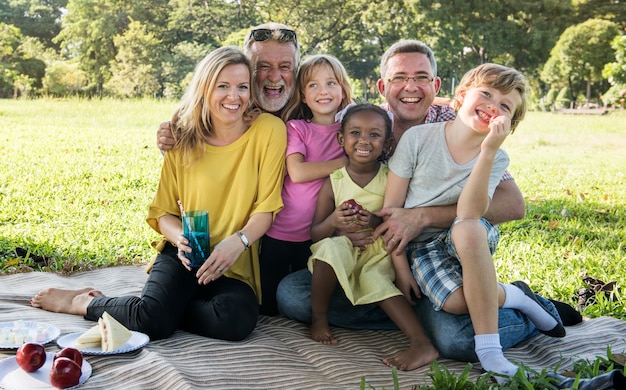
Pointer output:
278, 355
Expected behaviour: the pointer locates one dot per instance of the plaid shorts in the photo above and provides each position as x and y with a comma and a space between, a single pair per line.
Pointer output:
436, 265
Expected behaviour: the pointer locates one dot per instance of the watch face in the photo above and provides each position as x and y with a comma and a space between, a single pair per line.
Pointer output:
244, 239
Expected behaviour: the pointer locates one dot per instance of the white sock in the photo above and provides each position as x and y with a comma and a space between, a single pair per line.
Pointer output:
516, 299
489, 352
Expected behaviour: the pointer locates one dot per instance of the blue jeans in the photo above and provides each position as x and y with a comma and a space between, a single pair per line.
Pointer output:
452, 335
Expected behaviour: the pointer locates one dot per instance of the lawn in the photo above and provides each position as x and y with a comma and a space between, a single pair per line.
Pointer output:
78, 175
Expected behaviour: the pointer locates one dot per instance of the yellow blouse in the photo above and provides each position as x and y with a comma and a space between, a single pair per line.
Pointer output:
232, 183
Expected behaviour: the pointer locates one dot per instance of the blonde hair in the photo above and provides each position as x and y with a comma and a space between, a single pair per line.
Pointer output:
296, 108
191, 121
500, 77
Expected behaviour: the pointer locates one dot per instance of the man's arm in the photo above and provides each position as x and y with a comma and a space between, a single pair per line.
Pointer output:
406, 224
165, 139
507, 203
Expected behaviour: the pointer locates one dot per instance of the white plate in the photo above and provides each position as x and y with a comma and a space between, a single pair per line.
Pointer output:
12, 377
137, 340
53, 332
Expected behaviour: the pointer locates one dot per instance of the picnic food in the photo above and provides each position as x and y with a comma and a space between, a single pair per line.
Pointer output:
90, 339
353, 205
70, 353
108, 335
65, 373
30, 356
113, 333
21, 333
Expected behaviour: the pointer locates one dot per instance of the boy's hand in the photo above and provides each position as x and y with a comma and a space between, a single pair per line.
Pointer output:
499, 129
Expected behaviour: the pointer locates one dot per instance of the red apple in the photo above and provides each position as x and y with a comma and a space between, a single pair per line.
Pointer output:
30, 356
64, 373
354, 205
70, 353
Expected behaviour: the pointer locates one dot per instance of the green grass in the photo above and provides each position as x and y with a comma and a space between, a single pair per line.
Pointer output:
78, 175
76, 180
572, 172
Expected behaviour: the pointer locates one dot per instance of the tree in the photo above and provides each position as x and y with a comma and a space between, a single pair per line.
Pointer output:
90, 26
580, 54
135, 71
464, 34
19, 72
34, 18
615, 71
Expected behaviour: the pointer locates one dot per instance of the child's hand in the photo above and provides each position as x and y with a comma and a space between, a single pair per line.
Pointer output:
407, 284
346, 218
351, 216
499, 129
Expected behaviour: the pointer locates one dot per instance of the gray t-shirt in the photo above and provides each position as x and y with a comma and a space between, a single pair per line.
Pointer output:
422, 155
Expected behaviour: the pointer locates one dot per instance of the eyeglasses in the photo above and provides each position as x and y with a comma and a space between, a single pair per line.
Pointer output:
403, 80
264, 34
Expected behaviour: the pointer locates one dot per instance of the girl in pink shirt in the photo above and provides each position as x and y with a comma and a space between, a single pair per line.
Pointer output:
313, 152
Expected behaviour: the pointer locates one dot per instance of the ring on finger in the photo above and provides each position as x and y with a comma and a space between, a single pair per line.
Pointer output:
219, 269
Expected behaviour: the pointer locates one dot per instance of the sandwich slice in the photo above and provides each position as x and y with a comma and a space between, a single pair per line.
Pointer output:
112, 332
90, 339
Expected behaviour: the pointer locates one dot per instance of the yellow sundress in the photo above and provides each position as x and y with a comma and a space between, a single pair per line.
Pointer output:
365, 276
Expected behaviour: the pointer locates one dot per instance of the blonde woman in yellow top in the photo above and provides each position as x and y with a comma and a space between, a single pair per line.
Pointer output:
229, 161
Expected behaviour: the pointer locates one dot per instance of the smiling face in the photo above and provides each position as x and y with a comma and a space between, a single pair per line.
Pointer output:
482, 104
364, 137
408, 101
230, 97
323, 94
275, 70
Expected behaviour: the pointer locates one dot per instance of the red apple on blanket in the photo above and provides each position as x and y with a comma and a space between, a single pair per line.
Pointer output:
70, 353
353, 205
64, 373
30, 356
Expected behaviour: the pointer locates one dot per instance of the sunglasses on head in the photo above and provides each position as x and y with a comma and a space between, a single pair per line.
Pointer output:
263, 34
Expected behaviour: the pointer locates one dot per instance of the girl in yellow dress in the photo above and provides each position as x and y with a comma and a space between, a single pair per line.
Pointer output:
367, 275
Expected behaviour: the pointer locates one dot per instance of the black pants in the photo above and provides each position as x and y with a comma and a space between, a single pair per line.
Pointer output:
277, 259
171, 299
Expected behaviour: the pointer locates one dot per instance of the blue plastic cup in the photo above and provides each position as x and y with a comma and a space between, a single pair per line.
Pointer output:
196, 230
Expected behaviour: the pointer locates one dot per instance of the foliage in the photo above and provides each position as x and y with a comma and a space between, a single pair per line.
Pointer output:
135, 72
580, 54
442, 378
34, 18
615, 72
467, 33
463, 34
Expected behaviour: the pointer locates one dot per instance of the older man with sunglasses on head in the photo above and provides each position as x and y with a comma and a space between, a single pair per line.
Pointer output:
274, 52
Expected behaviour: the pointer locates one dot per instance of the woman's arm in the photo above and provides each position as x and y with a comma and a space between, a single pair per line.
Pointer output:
229, 249
301, 171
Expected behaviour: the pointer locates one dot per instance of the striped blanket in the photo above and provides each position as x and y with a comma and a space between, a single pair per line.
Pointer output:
278, 355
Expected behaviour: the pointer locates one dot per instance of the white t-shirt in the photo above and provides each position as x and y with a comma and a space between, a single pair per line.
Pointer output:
436, 179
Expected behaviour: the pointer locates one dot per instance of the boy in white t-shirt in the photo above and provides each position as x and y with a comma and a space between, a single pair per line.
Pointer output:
460, 162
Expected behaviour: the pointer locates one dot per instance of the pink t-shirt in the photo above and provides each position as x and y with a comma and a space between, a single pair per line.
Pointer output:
315, 143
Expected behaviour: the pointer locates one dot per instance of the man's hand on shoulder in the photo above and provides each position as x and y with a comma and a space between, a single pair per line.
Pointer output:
165, 139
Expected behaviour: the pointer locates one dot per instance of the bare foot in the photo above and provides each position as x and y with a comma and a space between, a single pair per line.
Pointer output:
64, 301
320, 331
416, 356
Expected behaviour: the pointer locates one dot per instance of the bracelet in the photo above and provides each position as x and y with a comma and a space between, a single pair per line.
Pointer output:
244, 239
